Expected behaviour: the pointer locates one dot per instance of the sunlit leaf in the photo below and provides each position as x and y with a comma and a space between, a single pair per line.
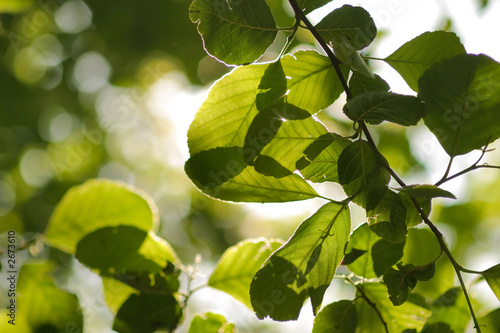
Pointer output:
413, 58
388, 218
303, 267
451, 308
397, 318
97, 204
237, 266
209, 322
234, 31
492, 276
413, 216
462, 97
360, 84
376, 254
378, 106
362, 174
425, 192
338, 317
353, 24
402, 280
491, 321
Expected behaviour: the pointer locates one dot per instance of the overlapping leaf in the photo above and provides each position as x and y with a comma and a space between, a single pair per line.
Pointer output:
413, 58
462, 98
234, 31
492, 276
338, 317
378, 106
303, 267
237, 266
401, 281
369, 256
425, 192
388, 218
360, 84
362, 174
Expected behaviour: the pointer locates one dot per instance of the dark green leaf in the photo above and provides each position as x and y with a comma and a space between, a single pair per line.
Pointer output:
378, 106
360, 84
462, 98
376, 254
437, 328
388, 218
401, 282
234, 31
413, 58
303, 267
209, 322
237, 266
425, 192
308, 6
97, 204
348, 24
492, 276
272, 85
362, 174
338, 317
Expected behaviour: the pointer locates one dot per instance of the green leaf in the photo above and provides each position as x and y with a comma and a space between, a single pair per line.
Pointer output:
376, 254
148, 312
97, 204
451, 308
360, 84
312, 81
209, 322
303, 267
338, 317
413, 217
413, 58
247, 185
362, 174
397, 318
238, 265
462, 97
347, 23
437, 328
308, 6
425, 192
42, 303
401, 282
492, 276
378, 106
234, 31
15, 6
491, 321
387, 220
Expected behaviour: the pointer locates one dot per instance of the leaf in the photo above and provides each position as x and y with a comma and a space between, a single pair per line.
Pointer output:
376, 254
338, 317
462, 97
413, 217
209, 322
362, 174
234, 31
401, 282
378, 106
353, 24
313, 83
246, 185
303, 267
397, 318
387, 220
492, 276
491, 321
437, 328
238, 265
360, 84
97, 204
15, 6
42, 303
425, 192
413, 58
308, 6
451, 308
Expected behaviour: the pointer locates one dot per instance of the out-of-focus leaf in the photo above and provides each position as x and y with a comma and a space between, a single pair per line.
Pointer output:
437, 328
376, 254
15, 6
401, 281
303, 267
209, 322
491, 322
97, 204
451, 308
388, 218
362, 174
425, 192
234, 31
413, 58
492, 276
462, 97
338, 317
238, 265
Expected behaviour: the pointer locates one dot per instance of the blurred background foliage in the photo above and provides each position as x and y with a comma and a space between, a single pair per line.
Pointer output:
108, 88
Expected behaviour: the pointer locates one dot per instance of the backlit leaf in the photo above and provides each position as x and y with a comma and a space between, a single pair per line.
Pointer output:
388, 218
338, 317
492, 276
425, 192
401, 281
209, 322
303, 267
462, 98
360, 84
413, 58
